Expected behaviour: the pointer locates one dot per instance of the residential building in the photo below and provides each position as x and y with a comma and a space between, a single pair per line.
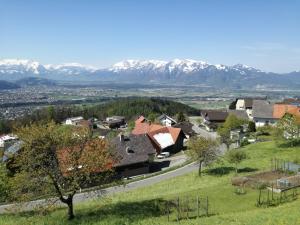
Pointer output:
163, 138
213, 118
166, 120
167, 139
74, 120
187, 128
115, 121
263, 113
135, 153
7, 140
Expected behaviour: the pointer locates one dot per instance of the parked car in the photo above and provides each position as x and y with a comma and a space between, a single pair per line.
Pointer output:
163, 155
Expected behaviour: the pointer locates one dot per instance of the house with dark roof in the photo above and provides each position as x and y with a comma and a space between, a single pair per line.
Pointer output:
115, 121
213, 118
246, 104
240, 114
263, 113
187, 128
135, 153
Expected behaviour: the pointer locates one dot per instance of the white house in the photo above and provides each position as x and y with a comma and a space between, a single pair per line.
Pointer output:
7, 139
167, 121
74, 120
245, 104
263, 113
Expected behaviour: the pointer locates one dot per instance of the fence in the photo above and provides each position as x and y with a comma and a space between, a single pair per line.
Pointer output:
269, 197
282, 165
187, 208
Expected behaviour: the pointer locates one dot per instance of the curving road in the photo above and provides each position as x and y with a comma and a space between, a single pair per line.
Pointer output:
81, 197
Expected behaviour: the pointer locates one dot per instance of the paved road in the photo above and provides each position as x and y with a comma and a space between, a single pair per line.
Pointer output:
207, 134
81, 197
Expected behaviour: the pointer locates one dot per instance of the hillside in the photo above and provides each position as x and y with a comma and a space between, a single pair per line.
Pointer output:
226, 207
4, 85
131, 108
128, 107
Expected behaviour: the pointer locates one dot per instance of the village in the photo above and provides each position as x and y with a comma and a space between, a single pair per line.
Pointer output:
160, 143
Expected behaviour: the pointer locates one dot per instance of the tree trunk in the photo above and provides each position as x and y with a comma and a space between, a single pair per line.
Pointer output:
236, 168
200, 169
69, 202
70, 207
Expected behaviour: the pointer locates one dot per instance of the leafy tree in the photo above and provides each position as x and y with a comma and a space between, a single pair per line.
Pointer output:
152, 117
251, 126
232, 105
4, 187
290, 124
180, 117
203, 150
231, 123
50, 113
4, 127
59, 161
130, 125
224, 133
287, 130
236, 156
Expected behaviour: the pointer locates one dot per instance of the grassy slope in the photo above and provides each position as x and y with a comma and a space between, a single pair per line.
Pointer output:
137, 207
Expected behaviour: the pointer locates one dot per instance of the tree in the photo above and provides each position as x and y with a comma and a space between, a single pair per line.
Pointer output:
152, 117
231, 123
251, 126
59, 160
203, 150
236, 156
180, 117
224, 133
50, 113
290, 126
4, 187
232, 105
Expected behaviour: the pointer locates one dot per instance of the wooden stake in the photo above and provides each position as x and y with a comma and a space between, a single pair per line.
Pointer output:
206, 205
198, 204
168, 211
187, 208
178, 209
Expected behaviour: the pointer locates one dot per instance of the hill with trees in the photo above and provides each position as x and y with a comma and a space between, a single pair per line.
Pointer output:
130, 108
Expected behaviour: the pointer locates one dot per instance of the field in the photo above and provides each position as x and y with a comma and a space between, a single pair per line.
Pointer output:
146, 205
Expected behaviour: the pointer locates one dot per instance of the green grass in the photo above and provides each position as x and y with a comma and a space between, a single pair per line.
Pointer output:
139, 206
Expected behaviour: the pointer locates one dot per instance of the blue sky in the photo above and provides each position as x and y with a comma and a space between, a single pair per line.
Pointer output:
264, 34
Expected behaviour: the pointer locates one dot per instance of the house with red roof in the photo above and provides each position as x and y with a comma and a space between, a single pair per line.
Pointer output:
164, 139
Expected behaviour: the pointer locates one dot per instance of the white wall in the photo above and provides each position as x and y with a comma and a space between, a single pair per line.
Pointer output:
240, 104
260, 122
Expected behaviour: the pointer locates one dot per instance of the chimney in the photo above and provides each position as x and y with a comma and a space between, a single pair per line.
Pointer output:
122, 138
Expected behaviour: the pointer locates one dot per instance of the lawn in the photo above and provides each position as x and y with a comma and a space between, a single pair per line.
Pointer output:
146, 205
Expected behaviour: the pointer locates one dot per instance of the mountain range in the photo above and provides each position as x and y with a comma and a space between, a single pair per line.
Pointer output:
177, 71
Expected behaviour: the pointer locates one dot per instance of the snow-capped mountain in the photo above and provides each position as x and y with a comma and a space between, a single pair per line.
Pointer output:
12, 69
10, 66
180, 71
